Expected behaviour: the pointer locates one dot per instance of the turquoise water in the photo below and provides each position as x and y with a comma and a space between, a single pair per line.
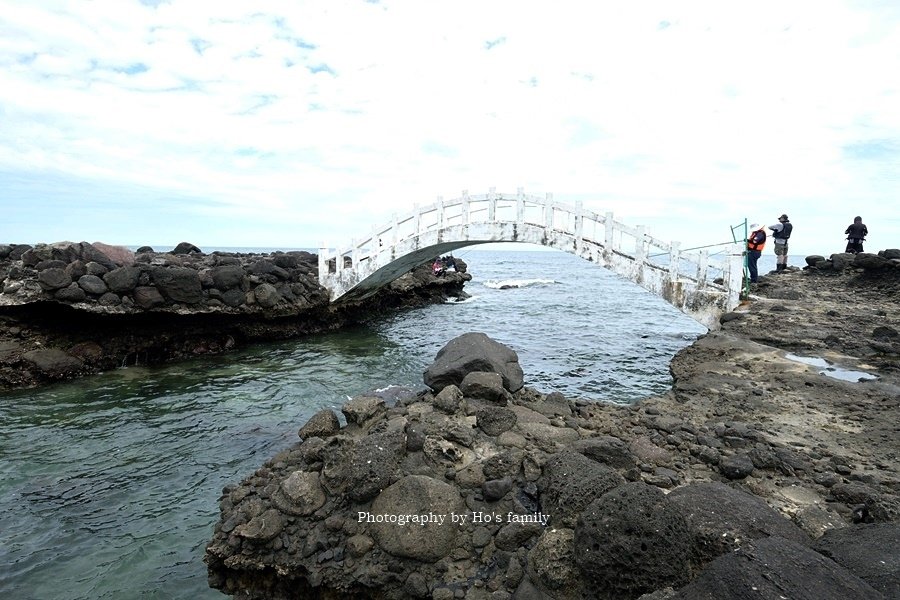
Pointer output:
109, 485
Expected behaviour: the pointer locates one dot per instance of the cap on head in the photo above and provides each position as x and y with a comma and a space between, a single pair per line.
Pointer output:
783, 218
755, 226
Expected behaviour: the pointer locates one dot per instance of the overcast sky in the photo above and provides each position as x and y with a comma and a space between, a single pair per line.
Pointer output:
288, 123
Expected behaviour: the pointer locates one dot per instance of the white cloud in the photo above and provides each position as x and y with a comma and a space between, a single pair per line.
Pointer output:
306, 120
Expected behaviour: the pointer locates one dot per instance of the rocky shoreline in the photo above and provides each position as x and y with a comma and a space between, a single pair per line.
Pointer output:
759, 475
72, 309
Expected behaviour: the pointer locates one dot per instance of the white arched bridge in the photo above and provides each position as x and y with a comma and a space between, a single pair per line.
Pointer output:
700, 285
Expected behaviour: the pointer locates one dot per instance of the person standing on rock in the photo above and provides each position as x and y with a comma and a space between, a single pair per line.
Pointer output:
781, 232
856, 235
755, 244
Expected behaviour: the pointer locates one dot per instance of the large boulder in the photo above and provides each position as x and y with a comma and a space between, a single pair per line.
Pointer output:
147, 297
570, 482
323, 424
266, 295
367, 467
120, 255
93, 285
724, 518
864, 260
842, 260
17, 251
227, 277
88, 253
813, 260
870, 551
632, 541
300, 494
608, 450
95, 268
474, 352
53, 361
485, 386
180, 284
416, 495
551, 563
53, 279
71, 293
736, 466
267, 267
62, 251
363, 408
122, 279
774, 568
262, 527
877, 506
186, 248
494, 420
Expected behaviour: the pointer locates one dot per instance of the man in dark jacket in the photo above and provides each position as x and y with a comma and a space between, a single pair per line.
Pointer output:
856, 235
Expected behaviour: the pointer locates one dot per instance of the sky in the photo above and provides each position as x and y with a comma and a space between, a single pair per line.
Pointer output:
293, 123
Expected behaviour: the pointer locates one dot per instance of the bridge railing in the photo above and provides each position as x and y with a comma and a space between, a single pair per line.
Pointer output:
584, 225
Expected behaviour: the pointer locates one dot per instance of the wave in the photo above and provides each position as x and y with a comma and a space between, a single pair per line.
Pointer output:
463, 301
517, 283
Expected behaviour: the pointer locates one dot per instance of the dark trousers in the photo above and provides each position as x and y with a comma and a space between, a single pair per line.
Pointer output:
854, 246
752, 257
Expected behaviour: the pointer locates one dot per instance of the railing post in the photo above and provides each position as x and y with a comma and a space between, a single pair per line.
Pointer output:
394, 231
608, 224
464, 208
548, 212
674, 258
702, 265
440, 213
735, 279
354, 253
417, 219
579, 220
323, 263
376, 245
520, 205
492, 205
640, 251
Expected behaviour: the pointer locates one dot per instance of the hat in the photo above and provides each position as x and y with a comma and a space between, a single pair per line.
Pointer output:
783, 218
755, 226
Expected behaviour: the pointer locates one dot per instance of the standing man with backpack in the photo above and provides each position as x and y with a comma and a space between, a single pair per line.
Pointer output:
781, 232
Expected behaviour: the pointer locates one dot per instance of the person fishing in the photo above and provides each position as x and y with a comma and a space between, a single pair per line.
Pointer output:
755, 244
856, 235
781, 231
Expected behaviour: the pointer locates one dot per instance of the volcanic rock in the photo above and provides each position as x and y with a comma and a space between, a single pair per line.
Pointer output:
416, 495
472, 352
632, 540
725, 518
869, 552
776, 568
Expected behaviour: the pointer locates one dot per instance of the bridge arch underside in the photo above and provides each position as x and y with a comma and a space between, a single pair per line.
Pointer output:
702, 302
